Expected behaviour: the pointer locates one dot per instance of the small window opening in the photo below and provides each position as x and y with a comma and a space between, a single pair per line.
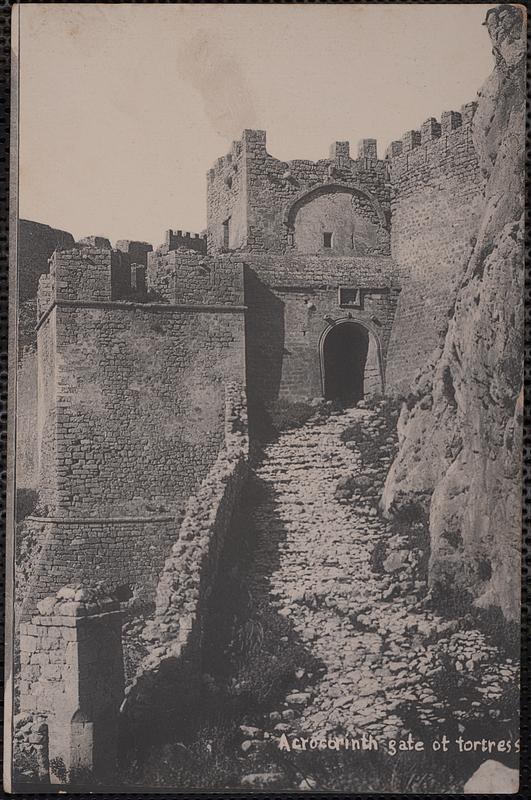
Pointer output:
327, 240
226, 233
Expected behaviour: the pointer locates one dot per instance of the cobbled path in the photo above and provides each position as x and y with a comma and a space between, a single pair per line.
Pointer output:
378, 643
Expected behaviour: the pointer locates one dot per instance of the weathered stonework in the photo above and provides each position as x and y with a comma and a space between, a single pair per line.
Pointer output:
315, 240
167, 677
176, 240
436, 185
254, 200
120, 378
134, 343
294, 302
71, 685
35, 244
137, 251
145, 359
30, 748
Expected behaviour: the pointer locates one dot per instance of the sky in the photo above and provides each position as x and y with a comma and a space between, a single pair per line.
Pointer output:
123, 108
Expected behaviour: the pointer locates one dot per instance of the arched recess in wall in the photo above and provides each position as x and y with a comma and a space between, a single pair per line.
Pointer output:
308, 196
373, 370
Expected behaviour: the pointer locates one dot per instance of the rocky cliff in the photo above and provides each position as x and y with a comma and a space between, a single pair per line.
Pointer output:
460, 433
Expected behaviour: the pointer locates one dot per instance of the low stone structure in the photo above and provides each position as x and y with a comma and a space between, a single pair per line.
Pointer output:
71, 686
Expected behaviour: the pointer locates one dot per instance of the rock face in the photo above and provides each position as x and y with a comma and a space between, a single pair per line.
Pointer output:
492, 777
36, 243
460, 433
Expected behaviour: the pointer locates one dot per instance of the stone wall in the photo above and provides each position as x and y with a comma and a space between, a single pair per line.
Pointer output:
27, 468
436, 203
137, 251
166, 679
262, 197
186, 277
30, 749
336, 223
35, 244
227, 199
131, 418
293, 300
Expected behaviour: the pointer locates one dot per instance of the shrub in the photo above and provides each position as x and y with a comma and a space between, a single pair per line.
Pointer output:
376, 771
265, 656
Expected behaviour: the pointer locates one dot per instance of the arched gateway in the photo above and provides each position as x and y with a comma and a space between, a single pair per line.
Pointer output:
350, 362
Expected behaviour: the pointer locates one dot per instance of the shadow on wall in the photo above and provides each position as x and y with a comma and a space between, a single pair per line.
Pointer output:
248, 666
265, 339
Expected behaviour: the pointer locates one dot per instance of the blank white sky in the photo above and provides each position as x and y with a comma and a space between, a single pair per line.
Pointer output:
123, 108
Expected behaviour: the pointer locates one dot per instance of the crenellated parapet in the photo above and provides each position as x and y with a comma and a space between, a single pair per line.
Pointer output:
175, 240
250, 193
433, 142
436, 199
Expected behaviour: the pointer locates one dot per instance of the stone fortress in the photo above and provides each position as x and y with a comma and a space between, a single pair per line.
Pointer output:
330, 279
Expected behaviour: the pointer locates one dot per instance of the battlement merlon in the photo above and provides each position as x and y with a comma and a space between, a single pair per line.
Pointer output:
178, 277
433, 131
86, 274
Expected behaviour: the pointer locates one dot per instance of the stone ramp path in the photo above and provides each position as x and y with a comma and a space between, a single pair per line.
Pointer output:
370, 630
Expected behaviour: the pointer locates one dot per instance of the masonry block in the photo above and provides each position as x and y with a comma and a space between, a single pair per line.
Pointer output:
339, 150
367, 148
254, 139
431, 129
77, 697
410, 140
450, 120
394, 149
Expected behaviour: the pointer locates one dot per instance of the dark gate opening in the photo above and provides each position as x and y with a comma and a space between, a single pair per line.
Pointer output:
344, 356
